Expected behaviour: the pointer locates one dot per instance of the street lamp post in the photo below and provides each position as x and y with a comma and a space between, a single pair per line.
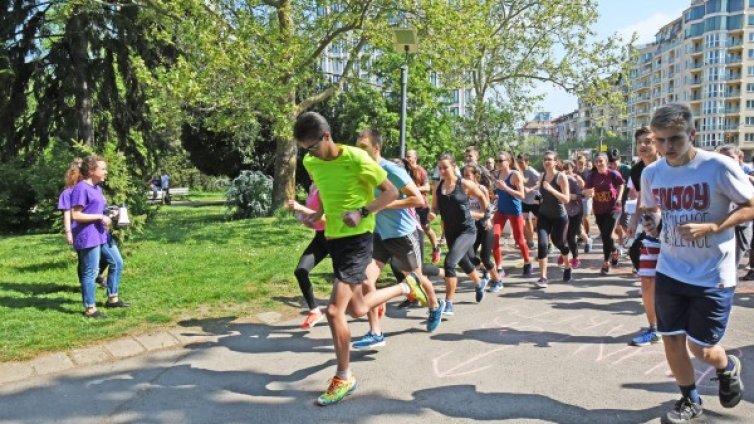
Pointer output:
404, 41
404, 86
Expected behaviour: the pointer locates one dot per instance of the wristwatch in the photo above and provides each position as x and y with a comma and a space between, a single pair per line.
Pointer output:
364, 212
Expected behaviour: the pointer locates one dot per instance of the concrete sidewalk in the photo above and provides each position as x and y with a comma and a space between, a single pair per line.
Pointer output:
523, 355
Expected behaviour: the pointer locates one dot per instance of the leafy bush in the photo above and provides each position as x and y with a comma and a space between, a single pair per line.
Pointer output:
249, 195
184, 174
29, 192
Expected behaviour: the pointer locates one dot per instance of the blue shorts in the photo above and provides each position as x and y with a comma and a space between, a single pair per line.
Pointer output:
701, 313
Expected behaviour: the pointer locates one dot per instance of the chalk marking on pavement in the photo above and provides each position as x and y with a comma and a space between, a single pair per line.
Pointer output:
104, 380
451, 371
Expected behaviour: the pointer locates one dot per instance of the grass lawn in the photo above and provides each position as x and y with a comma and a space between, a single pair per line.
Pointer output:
205, 196
189, 263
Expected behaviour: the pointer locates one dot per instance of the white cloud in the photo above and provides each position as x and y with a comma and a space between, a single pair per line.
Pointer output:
647, 28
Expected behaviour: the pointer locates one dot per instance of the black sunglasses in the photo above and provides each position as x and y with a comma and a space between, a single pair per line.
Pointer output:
313, 148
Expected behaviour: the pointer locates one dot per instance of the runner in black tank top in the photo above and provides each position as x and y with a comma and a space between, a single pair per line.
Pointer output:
452, 201
552, 221
481, 251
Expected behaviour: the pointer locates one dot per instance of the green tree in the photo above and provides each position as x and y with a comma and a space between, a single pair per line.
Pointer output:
251, 60
502, 48
429, 125
78, 71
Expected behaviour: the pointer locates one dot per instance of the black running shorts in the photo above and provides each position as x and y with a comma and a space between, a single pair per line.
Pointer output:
350, 257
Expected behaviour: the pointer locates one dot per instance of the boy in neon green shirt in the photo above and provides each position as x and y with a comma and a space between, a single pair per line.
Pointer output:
346, 177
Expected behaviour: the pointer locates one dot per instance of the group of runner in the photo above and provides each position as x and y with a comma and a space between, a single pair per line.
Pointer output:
368, 211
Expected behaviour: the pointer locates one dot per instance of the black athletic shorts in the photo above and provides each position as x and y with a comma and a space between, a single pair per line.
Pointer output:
530, 207
404, 251
423, 214
350, 257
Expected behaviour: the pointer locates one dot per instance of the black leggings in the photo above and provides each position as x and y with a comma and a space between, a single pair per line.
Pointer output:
606, 223
555, 228
314, 253
574, 228
459, 245
483, 245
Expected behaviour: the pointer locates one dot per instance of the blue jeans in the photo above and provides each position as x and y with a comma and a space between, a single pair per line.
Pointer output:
111, 255
88, 268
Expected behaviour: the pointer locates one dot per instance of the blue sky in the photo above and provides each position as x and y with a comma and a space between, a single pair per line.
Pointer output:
625, 17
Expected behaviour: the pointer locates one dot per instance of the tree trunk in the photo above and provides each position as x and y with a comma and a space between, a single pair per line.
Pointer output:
76, 33
284, 180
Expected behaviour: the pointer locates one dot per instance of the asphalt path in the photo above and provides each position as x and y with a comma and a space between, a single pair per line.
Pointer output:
558, 355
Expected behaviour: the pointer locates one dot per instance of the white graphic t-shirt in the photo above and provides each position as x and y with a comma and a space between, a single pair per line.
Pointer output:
700, 191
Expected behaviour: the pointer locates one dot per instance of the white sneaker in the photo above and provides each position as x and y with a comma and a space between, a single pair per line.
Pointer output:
315, 315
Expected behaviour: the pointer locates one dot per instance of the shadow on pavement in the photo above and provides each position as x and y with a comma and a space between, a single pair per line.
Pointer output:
464, 402
513, 337
193, 386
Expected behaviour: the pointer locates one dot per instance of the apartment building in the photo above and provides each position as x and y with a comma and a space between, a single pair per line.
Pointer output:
566, 127
704, 58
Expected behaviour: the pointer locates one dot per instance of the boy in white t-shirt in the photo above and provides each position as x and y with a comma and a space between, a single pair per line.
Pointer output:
696, 273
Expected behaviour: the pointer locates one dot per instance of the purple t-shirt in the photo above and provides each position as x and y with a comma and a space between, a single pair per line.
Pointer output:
91, 234
605, 191
64, 201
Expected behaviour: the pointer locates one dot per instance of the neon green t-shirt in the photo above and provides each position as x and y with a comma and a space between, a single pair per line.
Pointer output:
345, 183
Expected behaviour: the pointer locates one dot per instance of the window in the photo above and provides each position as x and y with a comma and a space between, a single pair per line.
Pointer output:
712, 40
751, 36
750, 104
735, 5
750, 20
713, 57
698, 28
713, 23
749, 137
713, 74
698, 12
750, 87
713, 6
712, 106
717, 90
750, 120
735, 22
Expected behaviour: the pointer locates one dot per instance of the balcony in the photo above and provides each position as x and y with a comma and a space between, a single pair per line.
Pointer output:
730, 127
695, 49
733, 77
732, 60
732, 110
695, 81
735, 93
697, 65
738, 42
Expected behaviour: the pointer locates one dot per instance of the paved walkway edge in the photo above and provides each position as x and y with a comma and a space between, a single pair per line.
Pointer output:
113, 350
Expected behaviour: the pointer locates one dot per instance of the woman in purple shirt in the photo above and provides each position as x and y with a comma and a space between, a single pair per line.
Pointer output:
72, 176
90, 236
